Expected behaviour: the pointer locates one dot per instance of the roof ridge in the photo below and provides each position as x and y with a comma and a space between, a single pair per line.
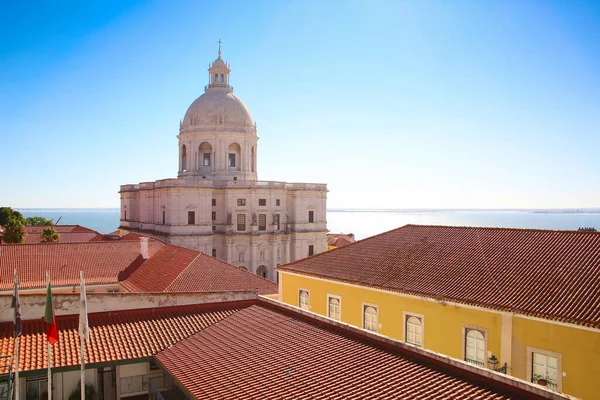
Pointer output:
498, 228
344, 247
183, 270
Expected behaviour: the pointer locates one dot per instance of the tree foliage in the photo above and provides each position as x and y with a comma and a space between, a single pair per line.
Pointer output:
39, 221
49, 235
7, 213
14, 231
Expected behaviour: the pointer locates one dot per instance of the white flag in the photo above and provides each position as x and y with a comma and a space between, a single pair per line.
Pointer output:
83, 314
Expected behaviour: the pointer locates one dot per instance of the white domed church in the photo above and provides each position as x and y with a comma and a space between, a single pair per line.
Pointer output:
217, 204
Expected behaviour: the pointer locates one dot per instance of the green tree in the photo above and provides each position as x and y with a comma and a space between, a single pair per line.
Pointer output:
39, 221
14, 231
49, 235
6, 213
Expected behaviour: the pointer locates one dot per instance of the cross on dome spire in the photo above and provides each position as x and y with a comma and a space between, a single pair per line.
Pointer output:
218, 74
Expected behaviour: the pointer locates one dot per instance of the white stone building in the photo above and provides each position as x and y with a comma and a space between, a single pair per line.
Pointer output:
217, 205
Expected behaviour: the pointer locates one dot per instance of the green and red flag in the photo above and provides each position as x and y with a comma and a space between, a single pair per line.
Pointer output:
51, 330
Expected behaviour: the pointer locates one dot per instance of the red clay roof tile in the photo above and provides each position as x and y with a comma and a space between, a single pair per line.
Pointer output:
177, 269
260, 352
101, 261
548, 274
114, 336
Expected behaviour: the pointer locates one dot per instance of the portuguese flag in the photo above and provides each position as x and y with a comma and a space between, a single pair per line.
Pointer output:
51, 331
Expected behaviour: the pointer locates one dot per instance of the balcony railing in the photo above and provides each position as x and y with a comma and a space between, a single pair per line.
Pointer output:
218, 85
475, 362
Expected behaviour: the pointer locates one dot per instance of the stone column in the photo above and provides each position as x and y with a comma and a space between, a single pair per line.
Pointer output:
229, 245
254, 262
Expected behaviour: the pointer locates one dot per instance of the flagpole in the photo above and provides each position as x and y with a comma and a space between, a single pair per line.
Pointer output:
82, 329
49, 353
16, 383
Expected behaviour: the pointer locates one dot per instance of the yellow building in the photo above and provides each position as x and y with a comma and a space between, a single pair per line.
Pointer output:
525, 302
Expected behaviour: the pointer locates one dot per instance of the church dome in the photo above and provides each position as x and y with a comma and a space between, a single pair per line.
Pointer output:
218, 110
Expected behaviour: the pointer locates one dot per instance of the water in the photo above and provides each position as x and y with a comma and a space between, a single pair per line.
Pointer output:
365, 223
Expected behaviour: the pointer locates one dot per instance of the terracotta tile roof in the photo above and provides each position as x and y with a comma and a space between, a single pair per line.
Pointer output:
114, 336
59, 228
548, 274
262, 353
66, 237
340, 239
177, 269
102, 262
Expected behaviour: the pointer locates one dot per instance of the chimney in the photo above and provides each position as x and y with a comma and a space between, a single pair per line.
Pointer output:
144, 247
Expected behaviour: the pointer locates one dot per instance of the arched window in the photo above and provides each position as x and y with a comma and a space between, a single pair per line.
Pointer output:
303, 300
414, 330
205, 150
334, 308
475, 347
244, 268
263, 271
183, 158
233, 157
371, 318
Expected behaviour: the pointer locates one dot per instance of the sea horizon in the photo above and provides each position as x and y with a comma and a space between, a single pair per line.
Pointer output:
368, 222
590, 210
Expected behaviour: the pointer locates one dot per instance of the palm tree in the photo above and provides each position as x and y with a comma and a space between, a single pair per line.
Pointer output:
14, 231
49, 235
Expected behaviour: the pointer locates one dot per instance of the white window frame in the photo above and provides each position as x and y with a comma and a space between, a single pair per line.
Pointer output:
558, 356
405, 317
206, 159
338, 298
363, 315
300, 290
483, 331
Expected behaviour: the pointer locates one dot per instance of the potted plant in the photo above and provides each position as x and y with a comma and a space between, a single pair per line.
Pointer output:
540, 380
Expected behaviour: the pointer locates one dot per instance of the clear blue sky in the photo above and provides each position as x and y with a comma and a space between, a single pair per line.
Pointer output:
394, 104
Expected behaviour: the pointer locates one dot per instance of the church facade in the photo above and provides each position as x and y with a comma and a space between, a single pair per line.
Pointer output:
217, 204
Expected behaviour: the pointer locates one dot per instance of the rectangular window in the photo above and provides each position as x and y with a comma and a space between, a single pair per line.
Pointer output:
214, 228
163, 217
544, 370
37, 389
214, 252
475, 347
311, 216
125, 217
262, 202
206, 159
334, 307
241, 202
304, 299
370, 317
112, 290
241, 222
231, 160
311, 249
277, 202
241, 256
276, 221
214, 202
262, 222
413, 327
214, 215
191, 217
